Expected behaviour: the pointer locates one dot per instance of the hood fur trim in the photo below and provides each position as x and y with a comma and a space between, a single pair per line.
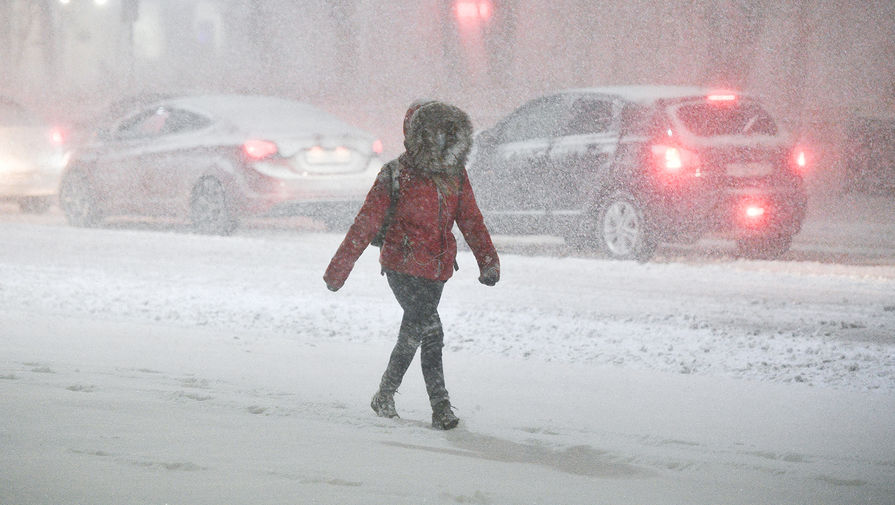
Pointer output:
439, 138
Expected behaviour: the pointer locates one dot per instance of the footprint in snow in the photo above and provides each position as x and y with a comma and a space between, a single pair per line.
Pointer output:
81, 388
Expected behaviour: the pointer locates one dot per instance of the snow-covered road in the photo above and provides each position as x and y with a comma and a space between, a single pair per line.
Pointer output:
148, 366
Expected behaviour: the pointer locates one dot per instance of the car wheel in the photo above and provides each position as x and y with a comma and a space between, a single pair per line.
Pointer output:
78, 202
764, 248
624, 230
210, 210
34, 204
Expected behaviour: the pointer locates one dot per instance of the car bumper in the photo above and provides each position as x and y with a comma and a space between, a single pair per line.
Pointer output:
20, 179
738, 213
25, 184
753, 214
309, 194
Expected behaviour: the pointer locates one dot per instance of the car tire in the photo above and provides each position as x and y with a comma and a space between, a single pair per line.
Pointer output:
210, 209
34, 204
78, 202
764, 248
624, 230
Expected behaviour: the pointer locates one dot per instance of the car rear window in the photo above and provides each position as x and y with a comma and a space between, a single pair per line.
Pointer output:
638, 119
716, 119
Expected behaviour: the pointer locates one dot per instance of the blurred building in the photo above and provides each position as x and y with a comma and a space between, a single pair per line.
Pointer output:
813, 60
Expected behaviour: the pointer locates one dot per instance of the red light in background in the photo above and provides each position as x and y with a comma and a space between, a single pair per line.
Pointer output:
259, 149
57, 136
377, 146
473, 10
484, 11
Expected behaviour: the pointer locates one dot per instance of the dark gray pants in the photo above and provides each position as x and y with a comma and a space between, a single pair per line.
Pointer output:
420, 327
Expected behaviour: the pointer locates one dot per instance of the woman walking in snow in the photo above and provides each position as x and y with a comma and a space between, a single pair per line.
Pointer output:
419, 196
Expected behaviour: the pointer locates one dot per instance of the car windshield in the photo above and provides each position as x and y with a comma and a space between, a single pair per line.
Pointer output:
715, 119
14, 115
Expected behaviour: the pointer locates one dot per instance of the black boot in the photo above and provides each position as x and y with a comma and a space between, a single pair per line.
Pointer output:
384, 405
443, 417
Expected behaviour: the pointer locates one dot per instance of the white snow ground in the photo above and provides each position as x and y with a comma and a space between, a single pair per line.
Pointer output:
155, 367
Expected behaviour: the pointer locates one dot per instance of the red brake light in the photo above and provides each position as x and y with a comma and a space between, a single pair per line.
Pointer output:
259, 149
673, 160
800, 158
753, 212
722, 97
377, 146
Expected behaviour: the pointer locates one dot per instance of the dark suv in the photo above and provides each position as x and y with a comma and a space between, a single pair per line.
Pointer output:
625, 168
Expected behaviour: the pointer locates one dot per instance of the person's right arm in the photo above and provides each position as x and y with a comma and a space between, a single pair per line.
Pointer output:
367, 223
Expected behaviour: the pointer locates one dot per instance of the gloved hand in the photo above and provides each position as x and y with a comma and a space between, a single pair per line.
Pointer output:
335, 277
490, 276
333, 283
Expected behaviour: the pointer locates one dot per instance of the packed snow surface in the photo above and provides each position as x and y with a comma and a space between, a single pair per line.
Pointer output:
149, 365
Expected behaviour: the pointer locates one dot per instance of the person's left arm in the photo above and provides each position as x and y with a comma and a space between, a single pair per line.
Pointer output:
472, 225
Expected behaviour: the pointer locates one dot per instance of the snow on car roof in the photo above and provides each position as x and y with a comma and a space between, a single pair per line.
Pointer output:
646, 93
255, 112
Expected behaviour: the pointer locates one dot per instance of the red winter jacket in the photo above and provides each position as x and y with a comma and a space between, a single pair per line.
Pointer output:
419, 241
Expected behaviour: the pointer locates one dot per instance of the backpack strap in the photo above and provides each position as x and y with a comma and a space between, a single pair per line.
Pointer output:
394, 172
393, 168
461, 179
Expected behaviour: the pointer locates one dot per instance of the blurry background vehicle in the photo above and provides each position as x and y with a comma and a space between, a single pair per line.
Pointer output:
32, 155
625, 168
85, 128
870, 155
217, 158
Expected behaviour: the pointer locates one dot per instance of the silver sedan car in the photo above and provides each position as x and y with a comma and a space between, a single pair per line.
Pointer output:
32, 155
215, 159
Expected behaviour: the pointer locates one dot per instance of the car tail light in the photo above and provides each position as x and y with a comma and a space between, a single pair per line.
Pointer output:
753, 212
377, 146
722, 97
800, 160
259, 149
675, 161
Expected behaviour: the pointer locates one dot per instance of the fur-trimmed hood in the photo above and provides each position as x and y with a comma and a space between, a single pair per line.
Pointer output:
438, 137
